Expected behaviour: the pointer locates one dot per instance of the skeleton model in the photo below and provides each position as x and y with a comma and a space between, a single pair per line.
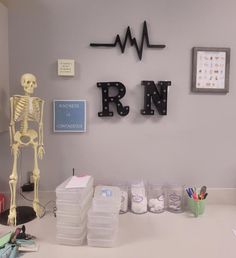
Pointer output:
26, 115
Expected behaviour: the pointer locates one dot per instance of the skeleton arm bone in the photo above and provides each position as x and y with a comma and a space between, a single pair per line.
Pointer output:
41, 151
41, 124
12, 123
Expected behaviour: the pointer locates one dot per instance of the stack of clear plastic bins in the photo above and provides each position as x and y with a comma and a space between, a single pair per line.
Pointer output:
103, 217
72, 209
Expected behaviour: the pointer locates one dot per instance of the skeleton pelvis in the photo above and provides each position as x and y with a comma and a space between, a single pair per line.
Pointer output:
26, 138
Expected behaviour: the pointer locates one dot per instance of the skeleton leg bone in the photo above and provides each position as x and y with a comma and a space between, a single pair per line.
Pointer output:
12, 182
36, 175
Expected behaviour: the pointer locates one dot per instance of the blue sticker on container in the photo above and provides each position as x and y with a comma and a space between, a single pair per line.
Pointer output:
106, 192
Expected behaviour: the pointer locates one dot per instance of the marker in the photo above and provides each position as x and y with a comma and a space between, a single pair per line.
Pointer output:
195, 197
189, 192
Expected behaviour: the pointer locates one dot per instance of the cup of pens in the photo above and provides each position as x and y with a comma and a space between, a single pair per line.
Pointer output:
196, 200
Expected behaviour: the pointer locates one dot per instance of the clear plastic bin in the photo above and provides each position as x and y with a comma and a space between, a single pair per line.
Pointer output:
61, 239
104, 224
75, 208
97, 242
107, 199
102, 232
74, 232
106, 208
103, 218
71, 220
73, 194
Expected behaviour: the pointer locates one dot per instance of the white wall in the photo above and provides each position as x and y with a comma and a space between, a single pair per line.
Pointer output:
193, 144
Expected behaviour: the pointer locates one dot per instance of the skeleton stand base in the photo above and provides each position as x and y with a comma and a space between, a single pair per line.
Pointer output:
24, 215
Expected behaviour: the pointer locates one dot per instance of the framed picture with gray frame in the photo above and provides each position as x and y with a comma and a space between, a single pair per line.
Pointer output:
69, 116
210, 69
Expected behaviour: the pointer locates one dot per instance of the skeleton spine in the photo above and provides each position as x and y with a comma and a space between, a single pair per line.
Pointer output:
24, 122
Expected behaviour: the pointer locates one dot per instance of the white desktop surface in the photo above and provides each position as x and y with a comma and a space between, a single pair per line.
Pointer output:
165, 235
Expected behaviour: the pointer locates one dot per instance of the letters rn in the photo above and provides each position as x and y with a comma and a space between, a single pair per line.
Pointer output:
152, 93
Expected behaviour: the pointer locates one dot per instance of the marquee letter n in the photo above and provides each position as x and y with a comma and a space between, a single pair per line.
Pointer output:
158, 94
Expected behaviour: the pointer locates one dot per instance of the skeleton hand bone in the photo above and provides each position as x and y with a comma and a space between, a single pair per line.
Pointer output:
16, 150
41, 152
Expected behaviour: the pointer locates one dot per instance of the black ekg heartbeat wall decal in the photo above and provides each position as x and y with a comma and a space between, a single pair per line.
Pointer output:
132, 40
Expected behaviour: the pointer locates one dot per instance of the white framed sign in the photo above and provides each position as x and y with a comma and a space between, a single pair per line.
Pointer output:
66, 67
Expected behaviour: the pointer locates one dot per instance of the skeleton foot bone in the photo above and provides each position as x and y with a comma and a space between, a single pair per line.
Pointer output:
12, 217
38, 209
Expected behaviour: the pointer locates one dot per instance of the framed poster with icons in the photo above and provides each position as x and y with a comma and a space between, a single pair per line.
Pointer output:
69, 116
210, 69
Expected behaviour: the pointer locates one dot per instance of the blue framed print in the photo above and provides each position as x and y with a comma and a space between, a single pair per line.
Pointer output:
69, 115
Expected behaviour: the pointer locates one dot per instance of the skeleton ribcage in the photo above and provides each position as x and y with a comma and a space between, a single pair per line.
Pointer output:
26, 109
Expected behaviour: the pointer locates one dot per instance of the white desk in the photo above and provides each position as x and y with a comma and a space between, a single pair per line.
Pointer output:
165, 235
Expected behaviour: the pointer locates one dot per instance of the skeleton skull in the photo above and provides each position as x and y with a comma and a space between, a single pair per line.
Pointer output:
28, 82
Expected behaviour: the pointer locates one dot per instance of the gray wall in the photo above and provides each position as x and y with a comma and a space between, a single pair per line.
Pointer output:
5, 2
5, 161
193, 144
4, 69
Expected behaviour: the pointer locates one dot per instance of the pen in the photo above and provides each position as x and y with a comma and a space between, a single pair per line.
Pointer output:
189, 192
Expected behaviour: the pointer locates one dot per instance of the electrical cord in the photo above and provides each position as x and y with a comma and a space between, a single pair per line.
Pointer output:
42, 206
